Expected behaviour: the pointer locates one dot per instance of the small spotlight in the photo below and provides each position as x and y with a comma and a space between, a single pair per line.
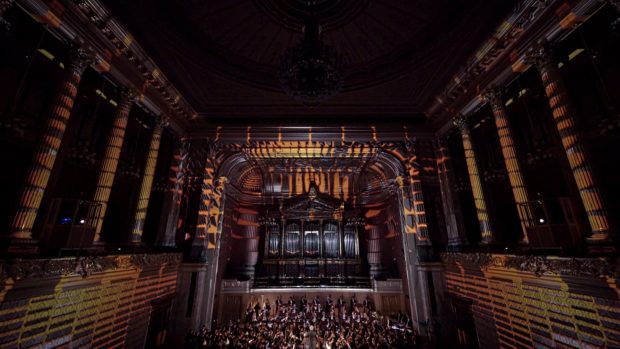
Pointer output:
541, 220
82, 221
119, 248
506, 248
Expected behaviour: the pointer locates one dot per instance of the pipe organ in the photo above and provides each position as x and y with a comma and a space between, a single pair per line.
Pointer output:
311, 239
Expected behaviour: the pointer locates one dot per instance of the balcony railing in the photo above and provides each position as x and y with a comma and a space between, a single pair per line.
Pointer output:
70, 223
551, 223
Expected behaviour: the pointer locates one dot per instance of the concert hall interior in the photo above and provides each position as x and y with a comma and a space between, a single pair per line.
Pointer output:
310, 174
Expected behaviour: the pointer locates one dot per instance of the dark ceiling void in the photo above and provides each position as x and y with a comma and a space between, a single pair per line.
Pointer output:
224, 56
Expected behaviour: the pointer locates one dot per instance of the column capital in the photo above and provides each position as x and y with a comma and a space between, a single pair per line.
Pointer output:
493, 96
541, 57
161, 122
79, 59
460, 121
128, 95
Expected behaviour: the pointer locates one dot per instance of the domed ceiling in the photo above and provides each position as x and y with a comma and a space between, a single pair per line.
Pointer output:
224, 55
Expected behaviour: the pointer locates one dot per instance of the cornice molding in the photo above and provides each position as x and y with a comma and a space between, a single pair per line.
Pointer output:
90, 24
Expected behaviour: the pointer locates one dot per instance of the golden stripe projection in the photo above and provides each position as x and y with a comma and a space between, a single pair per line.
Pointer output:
147, 182
526, 302
412, 202
515, 174
105, 303
486, 231
211, 208
564, 117
415, 183
109, 163
51, 138
308, 149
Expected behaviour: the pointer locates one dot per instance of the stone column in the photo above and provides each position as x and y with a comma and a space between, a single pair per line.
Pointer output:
249, 228
109, 163
45, 155
147, 182
456, 233
411, 254
167, 233
486, 231
509, 151
375, 233
564, 115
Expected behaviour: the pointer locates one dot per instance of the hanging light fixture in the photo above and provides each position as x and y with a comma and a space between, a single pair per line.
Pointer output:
311, 72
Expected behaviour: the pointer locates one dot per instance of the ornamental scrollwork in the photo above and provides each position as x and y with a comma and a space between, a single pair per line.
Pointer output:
538, 265
19, 269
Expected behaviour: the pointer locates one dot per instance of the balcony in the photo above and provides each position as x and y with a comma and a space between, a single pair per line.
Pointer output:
70, 223
551, 223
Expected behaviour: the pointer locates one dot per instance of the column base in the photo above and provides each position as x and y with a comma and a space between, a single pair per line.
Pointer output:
198, 254
604, 249
22, 246
603, 243
487, 242
376, 271
98, 246
247, 272
523, 242
456, 246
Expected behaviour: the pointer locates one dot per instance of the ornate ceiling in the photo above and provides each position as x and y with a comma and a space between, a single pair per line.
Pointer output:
224, 54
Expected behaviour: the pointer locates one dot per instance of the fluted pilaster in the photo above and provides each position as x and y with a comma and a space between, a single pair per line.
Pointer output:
456, 237
509, 152
564, 116
147, 182
109, 163
210, 213
167, 234
486, 231
51, 138
417, 203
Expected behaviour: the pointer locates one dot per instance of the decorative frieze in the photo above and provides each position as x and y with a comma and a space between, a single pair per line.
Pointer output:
538, 265
20, 269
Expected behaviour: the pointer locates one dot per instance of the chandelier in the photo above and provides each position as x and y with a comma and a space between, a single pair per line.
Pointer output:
311, 71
